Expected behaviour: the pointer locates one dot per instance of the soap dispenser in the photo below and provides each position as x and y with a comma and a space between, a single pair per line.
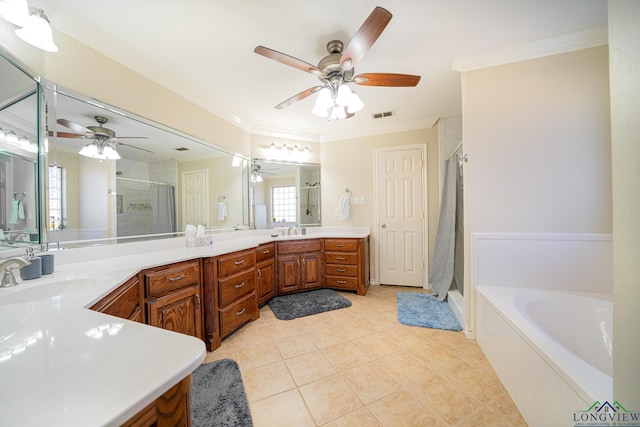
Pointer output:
33, 270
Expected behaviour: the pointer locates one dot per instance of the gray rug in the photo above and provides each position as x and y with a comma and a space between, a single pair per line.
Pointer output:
217, 396
287, 307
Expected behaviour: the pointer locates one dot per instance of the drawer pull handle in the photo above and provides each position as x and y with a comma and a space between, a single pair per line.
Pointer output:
239, 285
197, 301
266, 251
340, 245
341, 258
239, 262
259, 274
342, 282
175, 279
238, 313
342, 270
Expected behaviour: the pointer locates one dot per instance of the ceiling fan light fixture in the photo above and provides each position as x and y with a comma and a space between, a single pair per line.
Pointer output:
96, 150
344, 95
37, 32
320, 111
355, 103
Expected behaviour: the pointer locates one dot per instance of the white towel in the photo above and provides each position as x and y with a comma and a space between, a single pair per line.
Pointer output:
345, 207
222, 211
15, 212
261, 216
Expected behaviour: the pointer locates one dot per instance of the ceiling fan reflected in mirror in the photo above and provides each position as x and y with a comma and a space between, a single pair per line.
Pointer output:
104, 139
336, 100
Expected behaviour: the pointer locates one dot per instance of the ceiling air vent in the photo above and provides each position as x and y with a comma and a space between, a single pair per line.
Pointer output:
382, 115
182, 149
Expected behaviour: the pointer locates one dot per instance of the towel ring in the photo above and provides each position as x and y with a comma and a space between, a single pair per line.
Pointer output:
222, 198
346, 190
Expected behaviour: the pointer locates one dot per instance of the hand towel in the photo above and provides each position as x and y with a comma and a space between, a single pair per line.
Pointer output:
15, 207
20, 209
222, 211
345, 207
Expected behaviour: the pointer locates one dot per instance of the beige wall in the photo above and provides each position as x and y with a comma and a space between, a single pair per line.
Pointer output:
350, 163
624, 42
538, 139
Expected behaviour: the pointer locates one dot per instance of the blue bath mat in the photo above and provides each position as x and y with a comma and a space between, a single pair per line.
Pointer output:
425, 310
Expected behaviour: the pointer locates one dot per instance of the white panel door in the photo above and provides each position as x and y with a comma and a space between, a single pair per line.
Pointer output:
195, 198
400, 196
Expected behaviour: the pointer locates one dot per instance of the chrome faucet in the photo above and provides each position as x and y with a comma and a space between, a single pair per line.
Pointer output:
7, 266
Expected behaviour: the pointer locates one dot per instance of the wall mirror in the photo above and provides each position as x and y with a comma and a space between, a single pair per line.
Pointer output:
285, 193
19, 195
116, 177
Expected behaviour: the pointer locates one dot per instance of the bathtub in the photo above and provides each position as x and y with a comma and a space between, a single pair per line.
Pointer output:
551, 349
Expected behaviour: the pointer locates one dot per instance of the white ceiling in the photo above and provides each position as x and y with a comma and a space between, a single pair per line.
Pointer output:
203, 50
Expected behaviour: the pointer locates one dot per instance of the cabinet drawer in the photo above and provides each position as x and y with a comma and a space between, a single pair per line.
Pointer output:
238, 314
340, 258
346, 245
341, 282
265, 251
341, 270
299, 246
236, 262
175, 277
235, 287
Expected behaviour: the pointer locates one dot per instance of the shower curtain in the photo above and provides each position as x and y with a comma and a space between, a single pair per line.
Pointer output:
444, 253
163, 207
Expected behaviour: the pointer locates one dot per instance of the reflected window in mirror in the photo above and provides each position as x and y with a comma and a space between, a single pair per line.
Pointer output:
57, 198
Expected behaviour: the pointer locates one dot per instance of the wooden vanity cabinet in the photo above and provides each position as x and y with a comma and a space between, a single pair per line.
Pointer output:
125, 301
236, 285
171, 409
172, 297
347, 264
299, 265
265, 273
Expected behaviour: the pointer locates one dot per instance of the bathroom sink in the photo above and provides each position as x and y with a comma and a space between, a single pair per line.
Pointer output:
18, 295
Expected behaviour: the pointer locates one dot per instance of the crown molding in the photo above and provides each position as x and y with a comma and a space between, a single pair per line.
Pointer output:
563, 43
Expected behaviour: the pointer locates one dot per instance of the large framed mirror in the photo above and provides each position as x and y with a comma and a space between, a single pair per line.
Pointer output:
285, 193
19, 159
115, 177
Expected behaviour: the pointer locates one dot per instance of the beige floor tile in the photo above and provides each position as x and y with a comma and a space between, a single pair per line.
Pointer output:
329, 398
309, 367
479, 382
371, 381
360, 417
253, 333
345, 356
282, 410
284, 329
440, 360
267, 380
376, 345
448, 402
250, 356
401, 409
296, 345
219, 354
405, 367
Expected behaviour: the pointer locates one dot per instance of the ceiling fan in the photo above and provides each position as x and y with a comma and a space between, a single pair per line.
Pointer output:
100, 134
336, 70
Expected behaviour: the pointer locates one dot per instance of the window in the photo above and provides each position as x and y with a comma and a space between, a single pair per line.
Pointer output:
283, 203
57, 198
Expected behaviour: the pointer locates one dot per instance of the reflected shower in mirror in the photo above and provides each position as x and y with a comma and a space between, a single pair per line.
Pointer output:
116, 177
285, 193
18, 156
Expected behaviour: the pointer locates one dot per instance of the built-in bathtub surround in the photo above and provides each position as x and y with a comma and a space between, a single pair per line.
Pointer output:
544, 319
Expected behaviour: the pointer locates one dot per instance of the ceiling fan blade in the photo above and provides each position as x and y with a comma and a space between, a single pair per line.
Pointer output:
132, 146
366, 36
288, 60
68, 135
74, 126
302, 95
130, 137
386, 79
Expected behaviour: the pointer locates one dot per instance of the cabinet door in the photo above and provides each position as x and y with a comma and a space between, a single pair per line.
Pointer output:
288, 273
266, 281
124, 302
311, 269
178, 311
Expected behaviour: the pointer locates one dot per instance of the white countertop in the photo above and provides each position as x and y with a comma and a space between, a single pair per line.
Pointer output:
63, 364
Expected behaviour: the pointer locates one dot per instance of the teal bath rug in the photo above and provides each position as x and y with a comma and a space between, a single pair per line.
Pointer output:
425, 310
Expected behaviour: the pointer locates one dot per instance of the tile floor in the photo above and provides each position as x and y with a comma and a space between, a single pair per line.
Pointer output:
359, 367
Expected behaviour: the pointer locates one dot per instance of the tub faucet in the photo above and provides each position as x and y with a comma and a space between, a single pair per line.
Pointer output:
6, 269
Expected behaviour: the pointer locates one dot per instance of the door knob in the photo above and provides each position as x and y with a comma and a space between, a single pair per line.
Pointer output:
384, 226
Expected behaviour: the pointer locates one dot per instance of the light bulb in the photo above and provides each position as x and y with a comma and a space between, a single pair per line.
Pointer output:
37, 32
15, 11
355, 104
344, 95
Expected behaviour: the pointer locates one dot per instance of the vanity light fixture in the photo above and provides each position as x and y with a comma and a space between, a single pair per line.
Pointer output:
285, 152
15, 11
37, 31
